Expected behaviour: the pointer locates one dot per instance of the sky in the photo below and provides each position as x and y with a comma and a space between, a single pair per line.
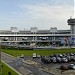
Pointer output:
42, 14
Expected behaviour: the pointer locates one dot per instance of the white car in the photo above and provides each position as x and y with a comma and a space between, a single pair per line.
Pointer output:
38, 56
22, 56
34, 55
71, 66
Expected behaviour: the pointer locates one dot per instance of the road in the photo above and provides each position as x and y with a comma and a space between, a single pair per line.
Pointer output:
20, 66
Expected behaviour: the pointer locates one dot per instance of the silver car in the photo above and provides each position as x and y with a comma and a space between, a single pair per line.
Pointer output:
64, 59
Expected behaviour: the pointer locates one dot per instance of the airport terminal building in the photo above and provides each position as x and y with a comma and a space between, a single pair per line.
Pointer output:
53, 36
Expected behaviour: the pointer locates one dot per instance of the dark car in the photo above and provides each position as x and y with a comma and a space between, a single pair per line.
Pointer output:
72, 58
45, 60
64, 55
53, 59
55, 55
64, 67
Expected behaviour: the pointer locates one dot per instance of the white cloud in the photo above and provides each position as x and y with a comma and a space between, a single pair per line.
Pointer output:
47, 15
50, 10
40, 15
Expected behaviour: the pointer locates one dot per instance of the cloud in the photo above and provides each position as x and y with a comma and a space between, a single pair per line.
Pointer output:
42, 14
44, 10
46, 14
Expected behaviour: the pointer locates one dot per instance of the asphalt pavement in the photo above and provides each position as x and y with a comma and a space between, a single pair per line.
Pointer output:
22, 67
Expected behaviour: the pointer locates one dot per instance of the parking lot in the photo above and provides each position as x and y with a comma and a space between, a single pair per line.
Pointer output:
53, 63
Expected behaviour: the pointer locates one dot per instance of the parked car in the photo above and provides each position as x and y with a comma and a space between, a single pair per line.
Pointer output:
58, 59
71, 66
60, 55
64, 55
72, 58
38, 56
34, 55
22, 56
72, 54
46, 60
53, 59
55, 55
64, 67
69, 58
64, 59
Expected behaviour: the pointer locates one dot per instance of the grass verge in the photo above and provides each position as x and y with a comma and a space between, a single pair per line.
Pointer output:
16, 52
6, 70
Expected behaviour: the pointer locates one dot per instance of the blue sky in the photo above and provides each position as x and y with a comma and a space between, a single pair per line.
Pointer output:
43, 14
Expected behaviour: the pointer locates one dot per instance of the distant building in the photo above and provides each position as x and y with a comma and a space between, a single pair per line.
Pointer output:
41, 36
34, 35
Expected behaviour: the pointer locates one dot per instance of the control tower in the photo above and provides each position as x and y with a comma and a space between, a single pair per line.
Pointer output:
71, 22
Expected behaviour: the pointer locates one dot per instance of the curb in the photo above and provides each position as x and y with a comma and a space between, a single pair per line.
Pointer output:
11, 68
8, 54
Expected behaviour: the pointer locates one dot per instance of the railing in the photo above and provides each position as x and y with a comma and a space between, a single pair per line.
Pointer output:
18, 35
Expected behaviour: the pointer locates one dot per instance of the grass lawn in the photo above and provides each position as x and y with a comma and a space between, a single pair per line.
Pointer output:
41, 52
6, 69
